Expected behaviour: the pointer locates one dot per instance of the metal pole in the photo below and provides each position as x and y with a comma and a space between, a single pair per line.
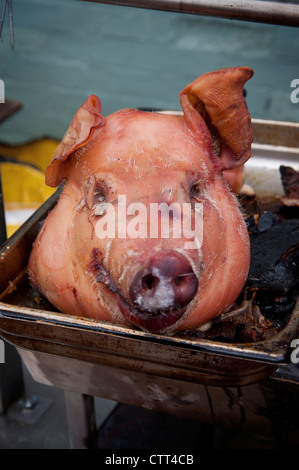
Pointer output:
81, 420
11, 375
272, 12
3, 233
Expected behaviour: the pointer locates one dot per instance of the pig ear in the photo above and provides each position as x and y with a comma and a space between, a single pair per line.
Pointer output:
217, 99
87, 118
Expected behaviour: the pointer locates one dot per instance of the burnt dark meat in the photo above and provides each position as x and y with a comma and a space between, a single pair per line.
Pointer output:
275, 257
274, 270
290, 183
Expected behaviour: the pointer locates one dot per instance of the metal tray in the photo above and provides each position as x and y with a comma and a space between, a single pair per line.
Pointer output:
41, 329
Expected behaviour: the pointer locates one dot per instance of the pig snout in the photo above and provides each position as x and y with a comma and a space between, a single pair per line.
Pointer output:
160, 291
166, 283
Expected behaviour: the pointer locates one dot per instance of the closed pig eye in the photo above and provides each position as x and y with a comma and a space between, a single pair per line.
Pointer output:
99, 194
99, 198
95, 195
195, 190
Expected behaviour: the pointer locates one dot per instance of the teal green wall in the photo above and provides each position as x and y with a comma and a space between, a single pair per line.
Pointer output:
67, 49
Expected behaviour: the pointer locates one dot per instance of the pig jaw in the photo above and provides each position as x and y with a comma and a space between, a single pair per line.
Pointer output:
150, 285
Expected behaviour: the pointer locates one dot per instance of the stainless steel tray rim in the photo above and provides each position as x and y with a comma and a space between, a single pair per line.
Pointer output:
257, 351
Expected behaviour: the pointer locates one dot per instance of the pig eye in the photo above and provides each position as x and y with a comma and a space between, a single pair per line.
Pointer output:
99, 199
195, 190
99, 194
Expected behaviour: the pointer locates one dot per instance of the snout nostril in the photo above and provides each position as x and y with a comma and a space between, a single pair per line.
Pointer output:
179, 280
185, 287
149, 282
166, 283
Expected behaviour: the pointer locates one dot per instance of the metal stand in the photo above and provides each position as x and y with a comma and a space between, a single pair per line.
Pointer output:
11, 377
3, 233
81, 420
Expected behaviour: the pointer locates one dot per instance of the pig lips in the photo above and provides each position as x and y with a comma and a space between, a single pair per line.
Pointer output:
154, 322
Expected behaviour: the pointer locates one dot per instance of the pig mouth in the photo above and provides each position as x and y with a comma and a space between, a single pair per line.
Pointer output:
159, 292
154, 322
147, 320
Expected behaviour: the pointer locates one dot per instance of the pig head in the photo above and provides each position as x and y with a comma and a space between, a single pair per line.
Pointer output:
101, 254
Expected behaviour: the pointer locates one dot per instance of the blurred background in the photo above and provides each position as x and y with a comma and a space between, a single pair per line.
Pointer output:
67, 49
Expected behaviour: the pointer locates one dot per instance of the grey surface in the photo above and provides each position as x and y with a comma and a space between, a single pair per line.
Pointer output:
45, 427
130, 57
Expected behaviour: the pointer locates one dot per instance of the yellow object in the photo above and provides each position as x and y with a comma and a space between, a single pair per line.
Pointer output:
23, 185
38, 152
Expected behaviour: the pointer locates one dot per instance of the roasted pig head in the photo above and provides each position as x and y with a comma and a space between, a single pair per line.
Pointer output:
147, 232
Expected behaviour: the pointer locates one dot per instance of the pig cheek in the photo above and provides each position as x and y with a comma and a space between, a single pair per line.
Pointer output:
226, 258
101, 263
49, 261
212, 256
90, 295
124, 258
213, 249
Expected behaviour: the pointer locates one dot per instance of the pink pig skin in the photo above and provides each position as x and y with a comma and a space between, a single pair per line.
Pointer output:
156, 284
